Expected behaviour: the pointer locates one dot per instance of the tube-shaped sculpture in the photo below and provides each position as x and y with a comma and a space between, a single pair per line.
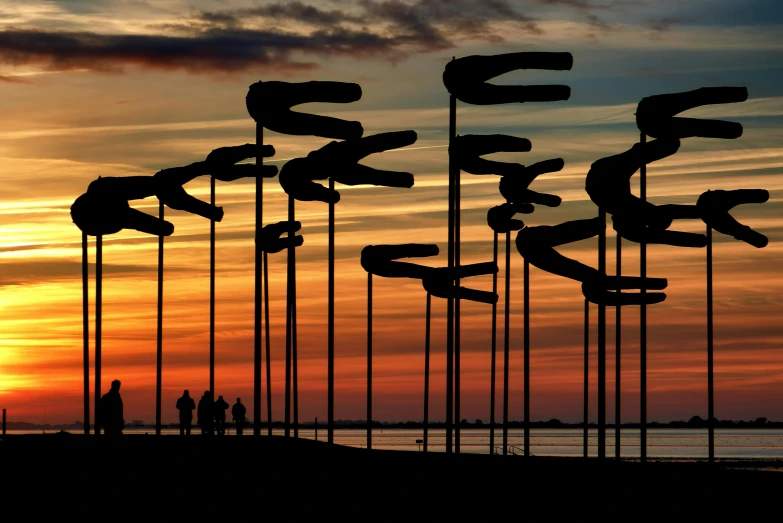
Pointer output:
270, 236
467, 77
381, 260
468, 149
514, 188
269, 104
715, 206
655, 115
440, 282
500, 218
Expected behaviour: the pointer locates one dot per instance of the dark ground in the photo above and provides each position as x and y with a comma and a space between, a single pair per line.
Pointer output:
144, 473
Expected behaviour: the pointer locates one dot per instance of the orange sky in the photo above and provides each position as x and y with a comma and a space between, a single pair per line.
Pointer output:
60, 129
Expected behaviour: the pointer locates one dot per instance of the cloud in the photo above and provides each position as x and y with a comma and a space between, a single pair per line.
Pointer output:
283, 36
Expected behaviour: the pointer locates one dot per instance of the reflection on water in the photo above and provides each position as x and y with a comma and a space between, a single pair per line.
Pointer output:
661, 443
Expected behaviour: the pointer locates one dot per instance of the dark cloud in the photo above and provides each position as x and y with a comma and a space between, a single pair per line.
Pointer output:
664, 24
240, 39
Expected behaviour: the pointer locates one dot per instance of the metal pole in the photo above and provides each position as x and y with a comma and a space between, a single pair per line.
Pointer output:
617, 352
527, 355
494, 346
602, 342
710, 376
427, 371
369, 360
159, 375
85, 331
643, 323
450, 301
268, 348
586, 379
288, 325
258, 259
457, 305
294, 345
212, 293
506, 342
330, 324
3, 422
98, 306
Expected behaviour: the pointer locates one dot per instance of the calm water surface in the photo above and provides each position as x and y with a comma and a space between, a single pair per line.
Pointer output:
661, 443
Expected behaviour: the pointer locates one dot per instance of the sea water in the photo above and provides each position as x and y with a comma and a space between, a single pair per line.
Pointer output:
661, 443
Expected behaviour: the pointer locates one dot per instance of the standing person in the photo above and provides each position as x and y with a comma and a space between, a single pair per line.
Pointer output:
110, 411
238, 413
220, 415
185, 406
206, 414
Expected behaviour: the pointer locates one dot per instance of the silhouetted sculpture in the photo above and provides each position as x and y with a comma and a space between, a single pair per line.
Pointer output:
466, 78
206, 413
440, 282
609, 185
339, 160
220, 407
536, 245
238, 412
110, 411
514, 187
381, 260
500, 218
271, 240
655, 115
714, 207
269, 104
104, 208
468, 149
185, 406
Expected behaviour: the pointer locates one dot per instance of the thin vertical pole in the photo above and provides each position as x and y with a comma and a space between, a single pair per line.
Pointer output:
288, 325
212, 292
643, 323
457, 305
98, 306
159, 375
617, 352
294, 345
450, 300
268, 348
369, 360
526, 299
3, 422
506, 327
86, 331
494, 346
330, 324
427, 371
710, 376
602, 342
586, 393
258, 260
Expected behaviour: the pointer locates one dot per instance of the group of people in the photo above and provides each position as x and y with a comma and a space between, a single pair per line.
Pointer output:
211, 414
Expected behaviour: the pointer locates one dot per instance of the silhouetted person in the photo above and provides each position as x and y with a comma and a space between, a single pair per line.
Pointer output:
220, 408
269, 104
381, 260
655, 115
466, 78
206, 414
715, 206
500, 218
514, 187
467, 150
238, 412
440, 282
185, 406
609, 185
339, 161
271, 239
110, 411
536, 245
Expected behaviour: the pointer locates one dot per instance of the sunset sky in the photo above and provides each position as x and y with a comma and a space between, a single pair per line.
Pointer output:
94, 88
